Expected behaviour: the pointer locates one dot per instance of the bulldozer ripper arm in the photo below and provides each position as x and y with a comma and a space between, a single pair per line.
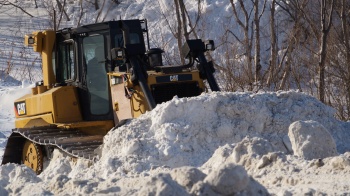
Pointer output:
207, 70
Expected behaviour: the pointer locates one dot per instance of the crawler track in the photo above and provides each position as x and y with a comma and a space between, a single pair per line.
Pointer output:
71, 141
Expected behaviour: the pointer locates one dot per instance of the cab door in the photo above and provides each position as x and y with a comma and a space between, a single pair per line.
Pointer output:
95, 94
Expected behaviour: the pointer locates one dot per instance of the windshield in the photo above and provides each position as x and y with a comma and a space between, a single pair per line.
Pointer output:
119, 41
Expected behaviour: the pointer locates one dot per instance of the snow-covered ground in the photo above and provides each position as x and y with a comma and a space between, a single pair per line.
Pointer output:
214, 144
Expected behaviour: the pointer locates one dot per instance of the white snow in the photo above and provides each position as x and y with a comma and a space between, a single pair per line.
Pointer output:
311, 140
9, 91
192, 145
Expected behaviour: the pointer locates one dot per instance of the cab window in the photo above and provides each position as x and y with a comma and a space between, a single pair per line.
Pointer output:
134, 39
66, 61
96, 74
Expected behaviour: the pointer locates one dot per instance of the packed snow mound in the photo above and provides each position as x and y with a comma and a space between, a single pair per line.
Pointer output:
189, 146
187, 131
283, 174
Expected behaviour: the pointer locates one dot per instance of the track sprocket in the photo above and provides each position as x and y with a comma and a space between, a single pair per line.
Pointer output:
32, 156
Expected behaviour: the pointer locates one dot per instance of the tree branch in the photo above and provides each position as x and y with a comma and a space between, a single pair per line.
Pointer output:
16, 6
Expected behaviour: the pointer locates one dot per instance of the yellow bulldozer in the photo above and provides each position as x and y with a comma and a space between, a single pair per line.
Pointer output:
94, 78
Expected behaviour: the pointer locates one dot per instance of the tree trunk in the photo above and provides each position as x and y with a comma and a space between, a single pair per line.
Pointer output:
287, 68
100, 11
96, 5
193, 27
36, 4
273, 52
323, 46
246, 42
257, 42
345, 33
81, 12
184, 19
179, 30
62, 10
321, 68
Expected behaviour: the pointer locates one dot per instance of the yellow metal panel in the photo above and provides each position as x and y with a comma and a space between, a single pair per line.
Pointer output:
121, 104
38, 41
62, 102
40, 120
43, 44
138, 102
66, 105
195, 77
46, 55
39, 104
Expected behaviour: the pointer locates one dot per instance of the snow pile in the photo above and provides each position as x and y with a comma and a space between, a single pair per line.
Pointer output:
191, 146
17, 180
187, 131
284, 174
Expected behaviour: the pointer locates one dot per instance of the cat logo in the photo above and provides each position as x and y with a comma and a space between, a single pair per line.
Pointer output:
174, 78
20, 108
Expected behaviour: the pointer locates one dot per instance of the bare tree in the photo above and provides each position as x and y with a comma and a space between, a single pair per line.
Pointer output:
246, 41
8, 3
96, 5
62, 11
178, 34
257, 17
338, 59
273, 50
320, 30
344, 15
81, 12
229, 67
100, 11
184, 26
293, 31
326, 23
190, 23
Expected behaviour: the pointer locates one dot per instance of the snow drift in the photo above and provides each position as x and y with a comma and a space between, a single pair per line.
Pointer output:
185, 146
187, 131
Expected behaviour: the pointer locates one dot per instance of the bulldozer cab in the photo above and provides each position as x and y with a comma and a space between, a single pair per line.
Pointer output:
83, 59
